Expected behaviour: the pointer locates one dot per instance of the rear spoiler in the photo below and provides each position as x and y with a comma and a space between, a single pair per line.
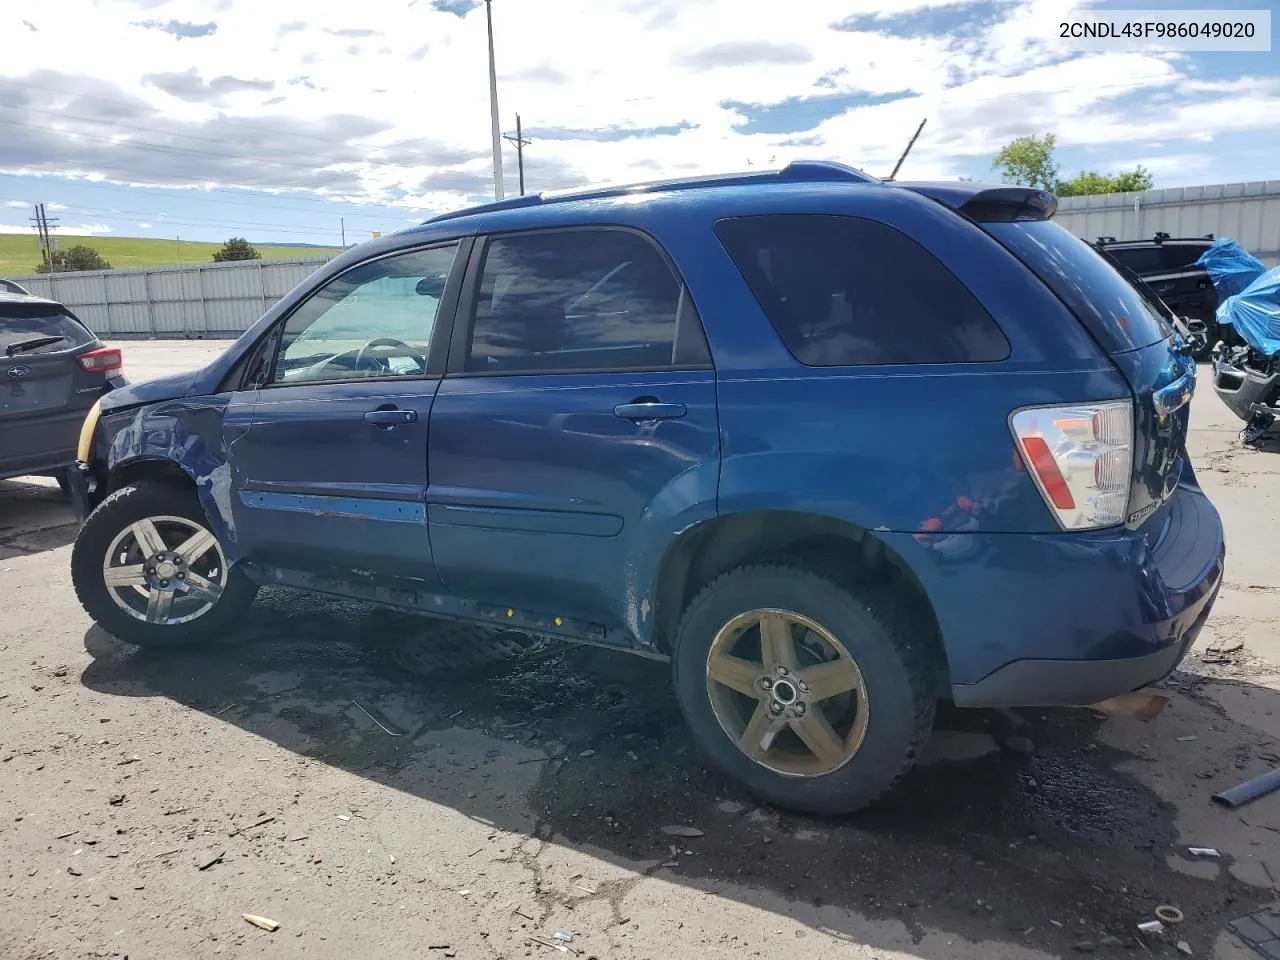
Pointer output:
988, 203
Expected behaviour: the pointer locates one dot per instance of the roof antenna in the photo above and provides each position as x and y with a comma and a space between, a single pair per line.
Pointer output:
911, 143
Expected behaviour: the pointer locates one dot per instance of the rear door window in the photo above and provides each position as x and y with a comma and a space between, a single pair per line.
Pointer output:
844, 291
1113, 311
22, 323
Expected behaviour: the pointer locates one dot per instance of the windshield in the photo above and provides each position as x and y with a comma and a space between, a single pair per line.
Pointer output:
1116, 313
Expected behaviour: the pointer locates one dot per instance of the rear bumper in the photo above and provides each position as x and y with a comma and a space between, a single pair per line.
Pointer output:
1072, 619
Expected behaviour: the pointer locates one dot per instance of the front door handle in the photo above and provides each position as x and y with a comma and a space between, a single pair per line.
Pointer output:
649, 410
390, 418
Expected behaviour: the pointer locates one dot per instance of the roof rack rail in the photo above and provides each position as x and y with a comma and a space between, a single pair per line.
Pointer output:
798, 171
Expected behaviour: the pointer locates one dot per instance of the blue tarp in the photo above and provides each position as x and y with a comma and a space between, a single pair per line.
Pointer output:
1231, 267
1255, 313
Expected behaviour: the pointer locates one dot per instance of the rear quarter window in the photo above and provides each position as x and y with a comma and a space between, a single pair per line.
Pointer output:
1104, 301
20, 322
844, 291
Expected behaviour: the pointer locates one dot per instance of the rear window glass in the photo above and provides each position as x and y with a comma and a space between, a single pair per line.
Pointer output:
15, 330
1115, 313
1182, 256
1141, 260
843, 291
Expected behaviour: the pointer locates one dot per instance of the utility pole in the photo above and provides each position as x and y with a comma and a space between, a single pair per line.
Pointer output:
911, 143
343, 221
520, 143
44, 237
498, 191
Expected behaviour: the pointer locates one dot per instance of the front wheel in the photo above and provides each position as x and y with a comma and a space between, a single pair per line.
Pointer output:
811, 695
147, 568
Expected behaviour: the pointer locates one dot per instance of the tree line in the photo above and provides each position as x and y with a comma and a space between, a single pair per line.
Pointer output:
82, 257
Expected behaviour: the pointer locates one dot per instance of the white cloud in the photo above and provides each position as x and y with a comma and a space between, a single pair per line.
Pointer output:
54, 207
275, 95
68, 230
17, 204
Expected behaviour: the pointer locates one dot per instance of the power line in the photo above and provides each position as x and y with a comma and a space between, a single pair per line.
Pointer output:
113, 124
245, 159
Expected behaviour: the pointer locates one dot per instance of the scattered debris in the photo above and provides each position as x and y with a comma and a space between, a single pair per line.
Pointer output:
305, 836
174, 813
208, 858
1188, 739
1169, 914
264, 820
65, 835
116, 799
520, 913
464, 893
631, 754
1152, 927
732, 807
1217, 652
439, 946
1138, 706
224, 710
344, 816
1110, 941
382, 726
559, 947
1184, 947
128, 760
74, 872
681, 831
454, 716
262, 923
1209, 853
670, 863
1250, 790
578, 886
1084, 946
587, 753
565, 935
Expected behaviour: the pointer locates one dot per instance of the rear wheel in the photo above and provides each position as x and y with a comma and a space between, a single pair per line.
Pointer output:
810, 694
147, 568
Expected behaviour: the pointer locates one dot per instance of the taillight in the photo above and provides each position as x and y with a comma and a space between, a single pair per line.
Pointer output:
102, 360
1082, 459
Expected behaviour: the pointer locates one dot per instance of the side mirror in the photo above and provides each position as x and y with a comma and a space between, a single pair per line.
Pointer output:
431, 286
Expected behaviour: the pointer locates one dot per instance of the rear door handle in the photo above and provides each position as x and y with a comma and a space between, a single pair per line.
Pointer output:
650, 410
390, 418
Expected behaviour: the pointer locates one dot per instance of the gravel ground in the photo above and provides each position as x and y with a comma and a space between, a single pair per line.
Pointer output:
297, 772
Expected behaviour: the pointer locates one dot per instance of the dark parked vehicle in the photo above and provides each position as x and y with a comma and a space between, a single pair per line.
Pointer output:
1168, 265
52, 370
12, 286
836, 448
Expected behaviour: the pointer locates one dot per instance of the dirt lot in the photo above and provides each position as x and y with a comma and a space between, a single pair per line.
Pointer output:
148, 800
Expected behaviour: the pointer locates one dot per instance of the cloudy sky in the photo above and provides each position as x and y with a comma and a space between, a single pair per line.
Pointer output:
275, 118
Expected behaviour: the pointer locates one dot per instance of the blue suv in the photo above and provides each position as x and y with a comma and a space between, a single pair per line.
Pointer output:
836, 448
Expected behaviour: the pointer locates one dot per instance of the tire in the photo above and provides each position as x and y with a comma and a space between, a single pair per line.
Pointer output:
175, 513
892, 664
64, 485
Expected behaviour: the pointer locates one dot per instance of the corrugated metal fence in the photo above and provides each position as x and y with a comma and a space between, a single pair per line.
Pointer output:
1246, 212
200, 300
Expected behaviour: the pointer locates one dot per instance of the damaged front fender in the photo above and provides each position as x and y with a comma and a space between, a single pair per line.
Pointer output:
192, 433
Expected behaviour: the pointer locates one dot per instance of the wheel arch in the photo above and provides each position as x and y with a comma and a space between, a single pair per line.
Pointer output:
715, 546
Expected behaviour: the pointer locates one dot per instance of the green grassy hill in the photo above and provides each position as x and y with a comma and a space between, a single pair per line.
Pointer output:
19, 253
